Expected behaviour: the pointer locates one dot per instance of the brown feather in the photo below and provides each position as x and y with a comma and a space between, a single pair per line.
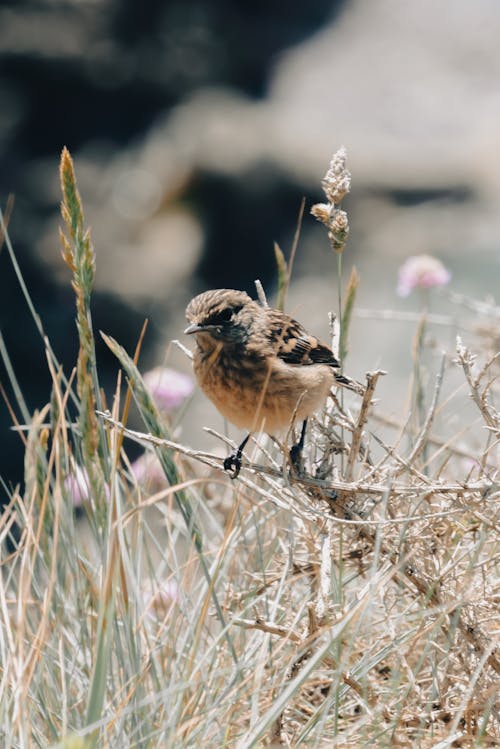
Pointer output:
295, 344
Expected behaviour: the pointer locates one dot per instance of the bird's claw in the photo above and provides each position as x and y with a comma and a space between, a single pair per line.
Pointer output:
296, 461
233, 464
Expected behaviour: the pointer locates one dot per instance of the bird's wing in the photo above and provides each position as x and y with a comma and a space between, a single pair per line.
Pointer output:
294, 344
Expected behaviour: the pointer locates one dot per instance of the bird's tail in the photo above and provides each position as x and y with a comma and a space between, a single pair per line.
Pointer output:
346, 382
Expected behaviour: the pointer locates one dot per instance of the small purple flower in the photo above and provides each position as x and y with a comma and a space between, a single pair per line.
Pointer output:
168, 387
147, 470
77, 484
421, 271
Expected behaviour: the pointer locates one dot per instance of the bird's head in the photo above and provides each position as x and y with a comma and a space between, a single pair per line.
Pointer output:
224, 315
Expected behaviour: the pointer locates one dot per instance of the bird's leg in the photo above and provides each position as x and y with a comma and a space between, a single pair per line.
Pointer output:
296, 450
233, 461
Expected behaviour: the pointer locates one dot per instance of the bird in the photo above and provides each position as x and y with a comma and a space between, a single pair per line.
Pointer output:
260, 367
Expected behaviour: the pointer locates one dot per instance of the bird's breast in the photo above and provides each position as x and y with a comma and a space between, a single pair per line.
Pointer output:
260, 392
232, 381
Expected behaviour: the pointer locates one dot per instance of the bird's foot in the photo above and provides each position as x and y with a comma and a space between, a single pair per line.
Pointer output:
296, 461
232, 464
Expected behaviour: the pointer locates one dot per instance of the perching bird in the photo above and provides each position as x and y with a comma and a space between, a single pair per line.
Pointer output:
259, 366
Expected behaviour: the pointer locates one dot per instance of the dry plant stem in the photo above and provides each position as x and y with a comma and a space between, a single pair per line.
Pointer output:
433, 440
307, 650
422, 439
412, 578
410, 575
263, 626
4, 357
466, 360
400, 316
325, 577
116, 443
408, 572
115, 552
483, 308
404, 464
183, 348
354, 487
350, 297
261, 293
38, 638
17, 426
293, 251
371, 382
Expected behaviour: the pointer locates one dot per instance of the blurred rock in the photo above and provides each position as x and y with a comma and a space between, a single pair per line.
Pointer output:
196, 130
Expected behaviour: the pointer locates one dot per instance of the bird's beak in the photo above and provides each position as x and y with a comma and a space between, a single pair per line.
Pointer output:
193, 328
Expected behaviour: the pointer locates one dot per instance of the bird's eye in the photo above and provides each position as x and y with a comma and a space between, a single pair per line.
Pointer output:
221, 317
225, 315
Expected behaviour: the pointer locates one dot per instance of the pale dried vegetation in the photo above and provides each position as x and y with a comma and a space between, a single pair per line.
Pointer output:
355, 603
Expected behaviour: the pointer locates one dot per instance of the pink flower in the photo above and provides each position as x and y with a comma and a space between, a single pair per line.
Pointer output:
422, 271
147, 470
168, 387
77, 484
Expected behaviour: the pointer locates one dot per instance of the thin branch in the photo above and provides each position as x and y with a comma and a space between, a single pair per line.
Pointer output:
371, 382
482, 486
424, 433
466, 360
269, 627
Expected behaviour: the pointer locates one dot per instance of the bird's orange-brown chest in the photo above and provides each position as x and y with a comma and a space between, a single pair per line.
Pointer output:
258, 392
234, 381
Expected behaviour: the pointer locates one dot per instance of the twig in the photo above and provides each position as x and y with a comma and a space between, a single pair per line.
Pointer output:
403, 462
183, 348
261, 293
325, 575
371, 381
269, 627
422, 438
466, 360
400, 316
483, 308
433, 440
482, 487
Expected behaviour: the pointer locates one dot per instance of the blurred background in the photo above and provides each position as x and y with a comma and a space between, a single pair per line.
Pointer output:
197, 127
